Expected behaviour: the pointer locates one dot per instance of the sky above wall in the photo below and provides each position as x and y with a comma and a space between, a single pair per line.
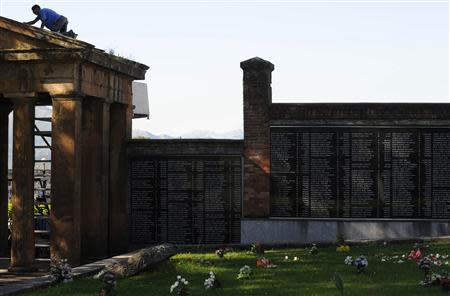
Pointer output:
322, 51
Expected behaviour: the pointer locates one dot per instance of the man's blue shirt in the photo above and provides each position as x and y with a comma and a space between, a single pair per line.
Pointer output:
49, 17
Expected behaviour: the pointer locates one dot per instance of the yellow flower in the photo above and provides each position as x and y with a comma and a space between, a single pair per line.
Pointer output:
343, 248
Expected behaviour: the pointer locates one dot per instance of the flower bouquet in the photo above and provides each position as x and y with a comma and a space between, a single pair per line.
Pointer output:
264, 263
61, 271
244, 273
314, 250
220, 253
212, 282
425, 265
415, 254
360, 263
180, 287
343, 248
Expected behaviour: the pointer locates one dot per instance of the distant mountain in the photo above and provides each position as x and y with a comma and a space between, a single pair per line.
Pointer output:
205, 134
141, 134
137, 134
196, 134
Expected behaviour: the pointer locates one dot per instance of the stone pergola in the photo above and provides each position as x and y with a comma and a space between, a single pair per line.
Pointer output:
91, 95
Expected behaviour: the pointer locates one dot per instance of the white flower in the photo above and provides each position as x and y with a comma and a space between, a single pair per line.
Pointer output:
348, 260
286, 257
178, 277
295, 258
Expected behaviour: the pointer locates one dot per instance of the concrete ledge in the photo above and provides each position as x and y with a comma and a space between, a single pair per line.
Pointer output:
289, 231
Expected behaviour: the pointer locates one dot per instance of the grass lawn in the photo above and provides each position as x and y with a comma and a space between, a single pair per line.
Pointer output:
311, 275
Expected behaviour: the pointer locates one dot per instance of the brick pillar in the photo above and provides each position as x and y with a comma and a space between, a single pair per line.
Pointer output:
257, 101
66, 179
22, 247
120, 132
95, 182
5, 109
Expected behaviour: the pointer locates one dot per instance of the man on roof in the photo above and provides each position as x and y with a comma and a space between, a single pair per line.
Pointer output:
52, 20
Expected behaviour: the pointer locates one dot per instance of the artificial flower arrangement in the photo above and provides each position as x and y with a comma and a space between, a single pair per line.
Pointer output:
425, 266
212, 282
244, 273
343, 248
360, 262
222, 251
264, 263
415, 254
61, 271
432, 278
314, 250
180, 287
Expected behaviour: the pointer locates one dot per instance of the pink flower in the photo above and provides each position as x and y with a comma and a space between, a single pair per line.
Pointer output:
415, 254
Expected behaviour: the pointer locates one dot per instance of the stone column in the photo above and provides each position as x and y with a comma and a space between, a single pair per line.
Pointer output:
95, 182
120, 133
5, 109
22, 247
257, 101
66, 180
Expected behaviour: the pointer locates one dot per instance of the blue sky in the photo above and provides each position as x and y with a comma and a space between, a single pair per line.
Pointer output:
352, 52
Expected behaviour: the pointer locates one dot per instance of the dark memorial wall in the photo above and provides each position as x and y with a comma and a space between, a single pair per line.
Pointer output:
186, 199
360, 172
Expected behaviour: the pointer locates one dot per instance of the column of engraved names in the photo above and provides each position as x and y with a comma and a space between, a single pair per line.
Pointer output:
441, 174
143, 201
426, 174
217, 203
303, 176
284, 173
364, 168
323, 169
198, 201
236, 193
162, 226
345, 174
179, 183
405, 174
385, 193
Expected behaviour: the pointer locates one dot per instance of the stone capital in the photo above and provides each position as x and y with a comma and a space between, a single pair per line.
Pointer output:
257, 64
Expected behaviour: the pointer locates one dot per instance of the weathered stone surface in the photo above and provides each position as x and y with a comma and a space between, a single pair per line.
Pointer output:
66, 180
5, 109
22, 248
118, 219
95, 181
141, 261
257, 101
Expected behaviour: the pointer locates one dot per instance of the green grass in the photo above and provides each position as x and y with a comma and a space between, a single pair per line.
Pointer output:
312, 275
